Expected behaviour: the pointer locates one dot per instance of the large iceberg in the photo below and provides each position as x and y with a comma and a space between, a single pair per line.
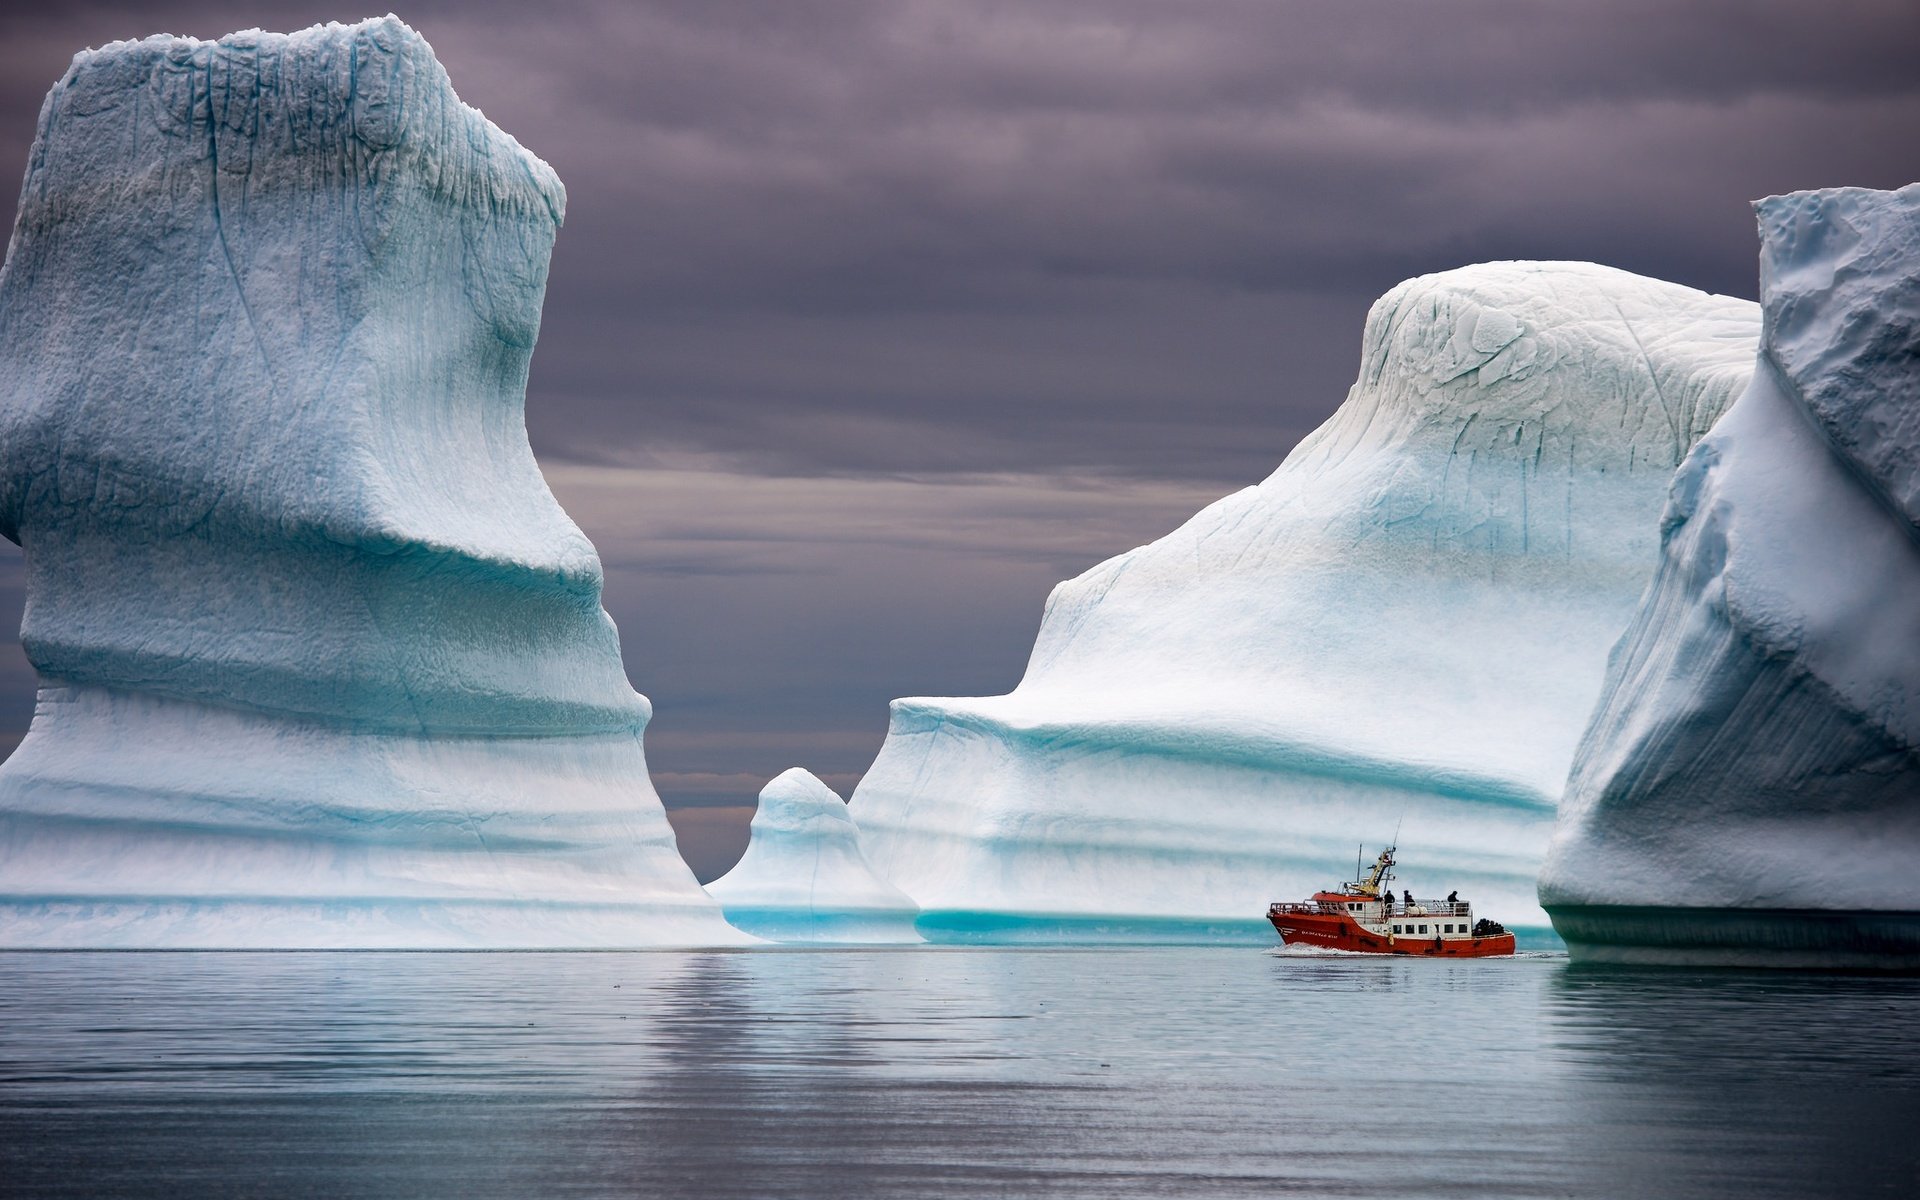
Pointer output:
1407, 622
804, 877
323, 663
1749, 789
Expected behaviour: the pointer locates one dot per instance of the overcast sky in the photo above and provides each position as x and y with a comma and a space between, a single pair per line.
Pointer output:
871, 321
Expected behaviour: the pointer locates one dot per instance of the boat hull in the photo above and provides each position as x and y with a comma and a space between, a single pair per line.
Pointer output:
1336, 932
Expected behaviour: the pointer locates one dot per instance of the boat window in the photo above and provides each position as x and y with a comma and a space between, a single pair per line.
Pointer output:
1396, 929
1448, 929
1423, 929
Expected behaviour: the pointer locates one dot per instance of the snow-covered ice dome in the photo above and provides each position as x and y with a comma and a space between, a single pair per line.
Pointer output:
322, 661
1749, 789
1407, 622
804, 878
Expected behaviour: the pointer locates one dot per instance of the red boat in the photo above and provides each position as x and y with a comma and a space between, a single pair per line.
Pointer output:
1364, 918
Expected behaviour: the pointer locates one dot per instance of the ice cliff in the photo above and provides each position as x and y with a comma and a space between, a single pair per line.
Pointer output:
322, 660
804, 878
1749, 788
1408, 621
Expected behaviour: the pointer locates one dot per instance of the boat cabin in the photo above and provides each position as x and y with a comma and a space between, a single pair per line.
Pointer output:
1422, 918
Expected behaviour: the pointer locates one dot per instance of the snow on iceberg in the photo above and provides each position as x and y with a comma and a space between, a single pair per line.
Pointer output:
323, 662
1408, 620
1749, 788
804, 878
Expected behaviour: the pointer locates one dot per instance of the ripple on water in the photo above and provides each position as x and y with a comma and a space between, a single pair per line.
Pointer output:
946, 1072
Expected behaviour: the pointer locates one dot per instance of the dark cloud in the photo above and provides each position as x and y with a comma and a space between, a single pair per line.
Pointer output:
1032, 241
1128, 236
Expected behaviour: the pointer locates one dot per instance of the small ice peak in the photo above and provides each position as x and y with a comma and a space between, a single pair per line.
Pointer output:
797, 802
805, 878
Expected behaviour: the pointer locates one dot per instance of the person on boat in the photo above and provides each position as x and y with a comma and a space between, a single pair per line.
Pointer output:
1453, 897
1407, 895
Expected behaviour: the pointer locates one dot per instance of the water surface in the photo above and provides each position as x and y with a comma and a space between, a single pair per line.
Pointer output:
957, 1072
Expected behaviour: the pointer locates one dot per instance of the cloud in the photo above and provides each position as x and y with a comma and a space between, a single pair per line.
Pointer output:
976, 236
698, 783
768, 524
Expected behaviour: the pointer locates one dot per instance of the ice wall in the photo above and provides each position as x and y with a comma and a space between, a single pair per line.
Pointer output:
1408, 621
322, 660
804, 878
1749, 788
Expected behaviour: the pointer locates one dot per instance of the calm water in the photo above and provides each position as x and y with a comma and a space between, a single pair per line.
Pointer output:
945, 1072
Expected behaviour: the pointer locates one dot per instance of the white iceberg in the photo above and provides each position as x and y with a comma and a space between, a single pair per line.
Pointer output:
804, 878
323, 663
1749, 789
1407, 622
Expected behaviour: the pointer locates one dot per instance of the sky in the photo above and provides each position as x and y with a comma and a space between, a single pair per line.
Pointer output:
870, 322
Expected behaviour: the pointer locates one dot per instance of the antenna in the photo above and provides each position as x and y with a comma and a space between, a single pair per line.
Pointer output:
1358, 855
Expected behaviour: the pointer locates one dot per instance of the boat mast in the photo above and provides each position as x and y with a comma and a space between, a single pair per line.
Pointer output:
1376, 874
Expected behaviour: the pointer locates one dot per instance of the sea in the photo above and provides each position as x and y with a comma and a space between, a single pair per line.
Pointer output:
947, 1072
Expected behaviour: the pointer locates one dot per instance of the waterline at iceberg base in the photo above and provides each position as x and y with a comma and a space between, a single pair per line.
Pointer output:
1200, 870
1405, 626
1749, 790
322, 662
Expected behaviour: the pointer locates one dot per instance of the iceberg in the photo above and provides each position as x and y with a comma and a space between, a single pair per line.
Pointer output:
322, 661
1749, 789
804, 877
1407, 622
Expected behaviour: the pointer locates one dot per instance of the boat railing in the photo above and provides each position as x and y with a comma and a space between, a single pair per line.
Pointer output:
1430, 908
